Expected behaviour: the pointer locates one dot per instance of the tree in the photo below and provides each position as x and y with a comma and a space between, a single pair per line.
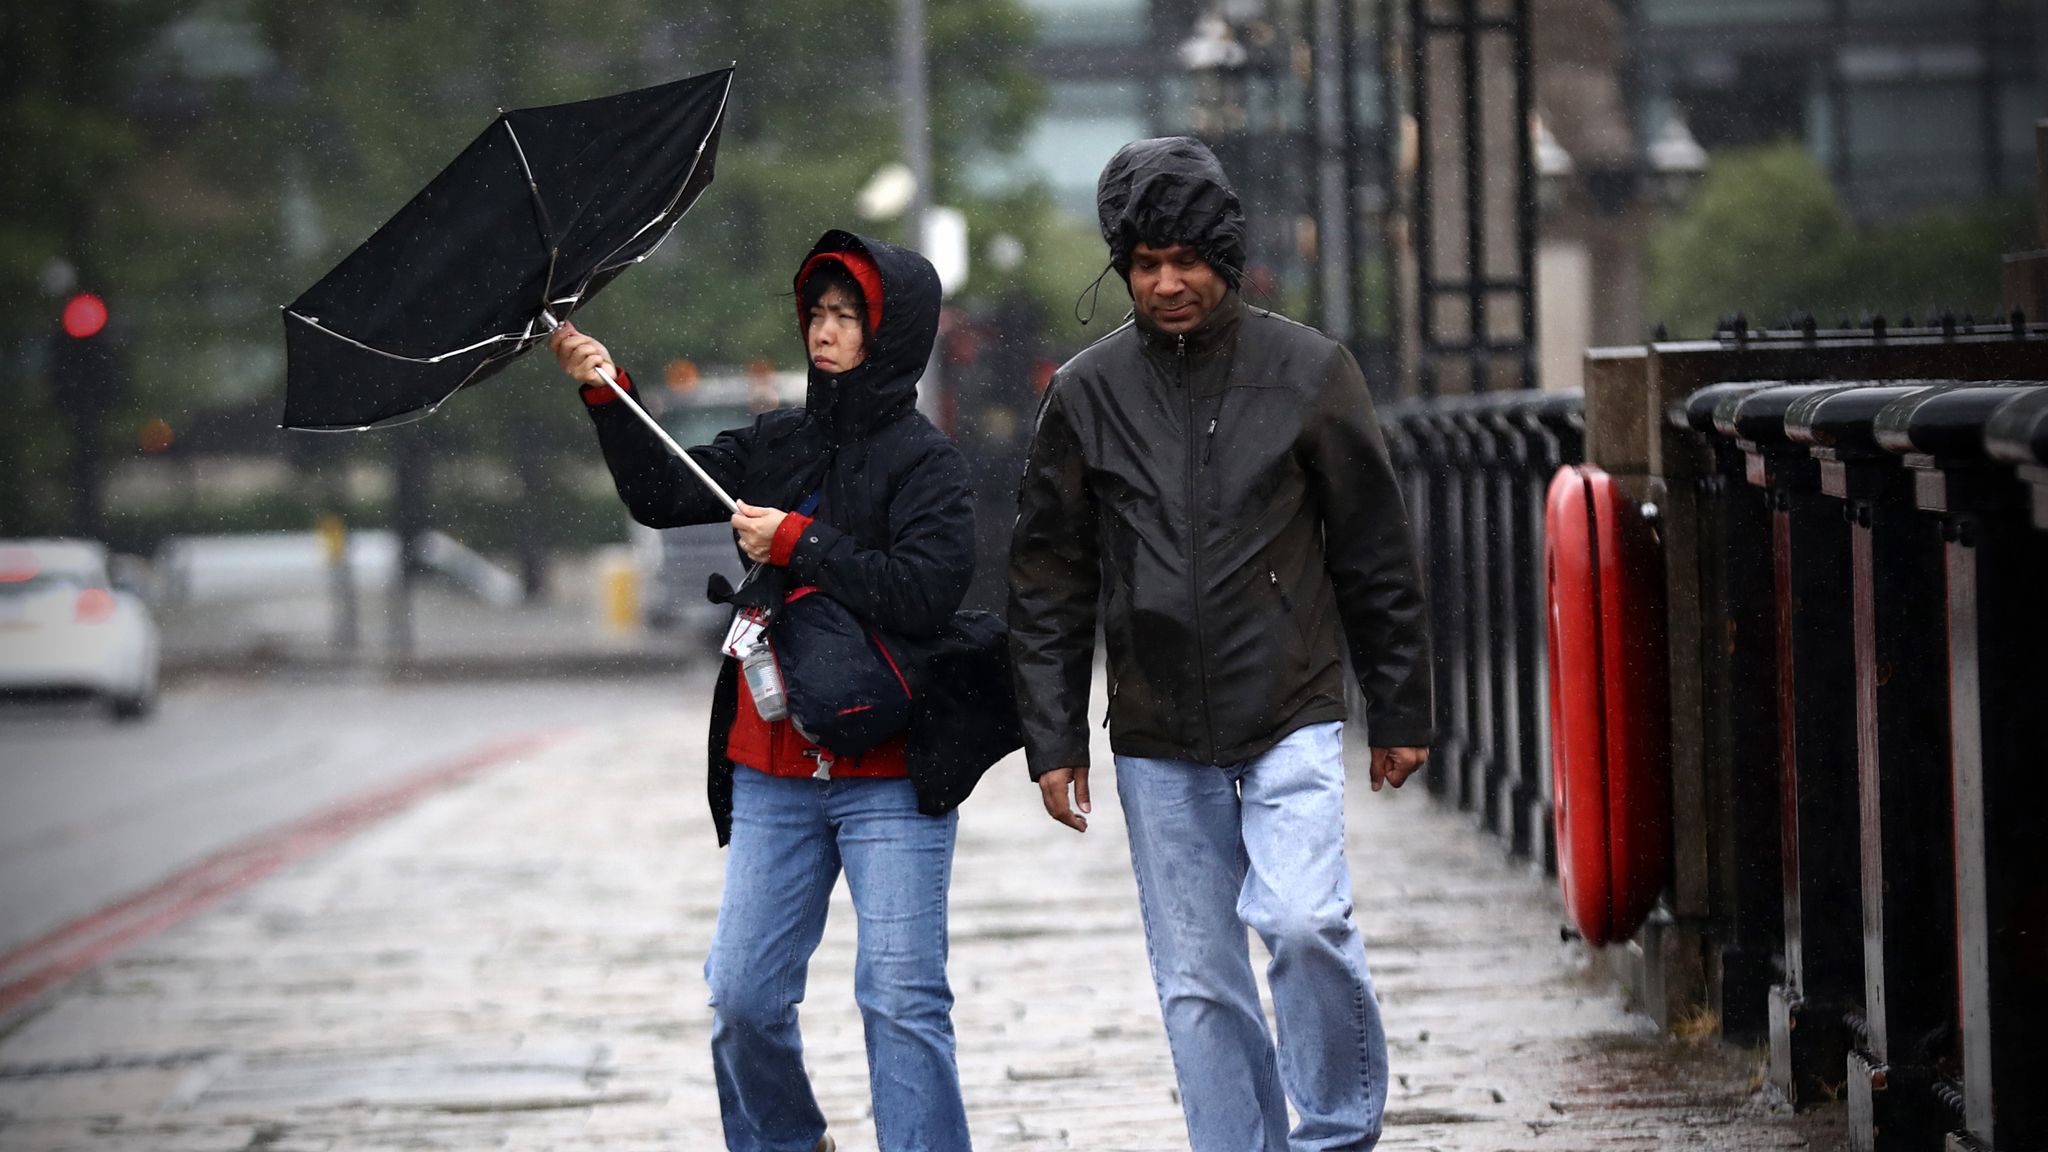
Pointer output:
235, 150
1769, 237
69, 146
812, 118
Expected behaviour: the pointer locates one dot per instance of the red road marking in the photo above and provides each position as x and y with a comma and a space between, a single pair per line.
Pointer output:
41, 965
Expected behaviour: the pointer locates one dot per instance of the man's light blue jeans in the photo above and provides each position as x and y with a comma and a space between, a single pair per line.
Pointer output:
1258, 844
790, 837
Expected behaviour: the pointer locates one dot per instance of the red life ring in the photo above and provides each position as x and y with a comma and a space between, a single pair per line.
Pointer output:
1608, 708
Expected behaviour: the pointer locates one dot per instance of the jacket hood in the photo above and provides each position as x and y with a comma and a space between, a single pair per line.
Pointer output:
1170, 190
903, 324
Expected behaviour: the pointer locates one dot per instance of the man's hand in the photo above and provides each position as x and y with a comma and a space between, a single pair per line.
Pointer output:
1052, 788
581, 356
1395, 765
756, 528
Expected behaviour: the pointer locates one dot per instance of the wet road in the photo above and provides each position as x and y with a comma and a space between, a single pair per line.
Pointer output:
92, 811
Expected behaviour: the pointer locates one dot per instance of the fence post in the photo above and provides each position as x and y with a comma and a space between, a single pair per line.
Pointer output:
1624, 429
1908, 864
1484, 558
1516, 572
1738, 722
1442, 515
1996, 569
1817, 754
1688, 959
1556, 428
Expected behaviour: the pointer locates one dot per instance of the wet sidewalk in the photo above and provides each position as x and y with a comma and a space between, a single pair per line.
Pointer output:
516, 962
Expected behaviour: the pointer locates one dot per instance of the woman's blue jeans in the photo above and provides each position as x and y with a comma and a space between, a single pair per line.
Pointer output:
790, 838
1258, 844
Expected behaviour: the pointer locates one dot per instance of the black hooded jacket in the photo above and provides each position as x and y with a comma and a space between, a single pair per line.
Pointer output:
1227, 499
893, 537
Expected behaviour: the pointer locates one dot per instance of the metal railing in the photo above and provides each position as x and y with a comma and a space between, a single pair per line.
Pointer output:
1854, 537
1474, 470
1909, 677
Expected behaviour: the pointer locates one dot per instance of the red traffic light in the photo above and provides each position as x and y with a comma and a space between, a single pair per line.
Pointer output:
84, 315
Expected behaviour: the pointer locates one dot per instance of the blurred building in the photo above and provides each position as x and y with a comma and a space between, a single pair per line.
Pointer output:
1093, 58
1241, 75
1910, 104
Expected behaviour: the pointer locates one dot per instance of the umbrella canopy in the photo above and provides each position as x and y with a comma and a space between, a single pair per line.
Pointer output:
526, 225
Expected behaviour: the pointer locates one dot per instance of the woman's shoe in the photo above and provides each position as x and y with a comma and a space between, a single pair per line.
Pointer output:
826, 1144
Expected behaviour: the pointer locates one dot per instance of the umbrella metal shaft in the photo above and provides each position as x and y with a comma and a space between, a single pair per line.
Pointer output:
655, 426
548, 317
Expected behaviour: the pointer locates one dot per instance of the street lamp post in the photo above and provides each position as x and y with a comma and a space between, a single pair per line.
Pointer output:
1676, 162
1215, 60
1235, 60
912, 87
1337, 222
1554, 167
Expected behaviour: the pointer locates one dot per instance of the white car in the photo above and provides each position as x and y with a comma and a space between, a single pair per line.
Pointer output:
65, 630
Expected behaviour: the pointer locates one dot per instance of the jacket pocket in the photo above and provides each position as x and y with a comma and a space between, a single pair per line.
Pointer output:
1297, 613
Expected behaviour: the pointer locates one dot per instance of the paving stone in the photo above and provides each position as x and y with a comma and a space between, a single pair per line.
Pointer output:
517, 964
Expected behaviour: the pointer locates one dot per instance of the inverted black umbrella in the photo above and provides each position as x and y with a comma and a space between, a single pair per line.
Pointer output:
541, 211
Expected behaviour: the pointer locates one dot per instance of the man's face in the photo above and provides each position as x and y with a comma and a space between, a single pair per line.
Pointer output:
1174, 287
834, 335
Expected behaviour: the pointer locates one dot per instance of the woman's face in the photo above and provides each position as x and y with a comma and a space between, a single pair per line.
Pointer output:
834, 336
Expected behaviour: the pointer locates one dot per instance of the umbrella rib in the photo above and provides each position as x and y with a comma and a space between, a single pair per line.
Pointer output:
435, 359
547, 223
606, 264
412, 417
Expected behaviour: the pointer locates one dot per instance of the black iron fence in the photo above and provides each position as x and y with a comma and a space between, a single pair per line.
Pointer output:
1474, 470
1853, 531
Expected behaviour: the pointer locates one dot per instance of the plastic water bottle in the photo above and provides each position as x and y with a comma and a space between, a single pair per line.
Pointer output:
764, 682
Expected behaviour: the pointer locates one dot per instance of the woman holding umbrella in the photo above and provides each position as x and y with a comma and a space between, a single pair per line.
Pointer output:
860, 496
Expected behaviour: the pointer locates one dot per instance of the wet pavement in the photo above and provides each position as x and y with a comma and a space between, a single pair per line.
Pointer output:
516, 962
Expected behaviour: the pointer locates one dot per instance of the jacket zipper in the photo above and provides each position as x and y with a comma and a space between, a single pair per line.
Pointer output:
1187, 388
1286, 603
1208, 442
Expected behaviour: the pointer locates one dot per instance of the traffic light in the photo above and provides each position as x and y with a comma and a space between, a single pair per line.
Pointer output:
86, 378
85, 316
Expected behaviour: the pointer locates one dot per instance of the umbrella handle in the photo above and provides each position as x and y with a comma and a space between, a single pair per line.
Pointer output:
655, 426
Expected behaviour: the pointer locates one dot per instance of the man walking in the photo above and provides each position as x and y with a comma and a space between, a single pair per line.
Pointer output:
1214, 474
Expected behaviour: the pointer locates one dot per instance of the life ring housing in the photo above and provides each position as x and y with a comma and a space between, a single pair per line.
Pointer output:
1608, 708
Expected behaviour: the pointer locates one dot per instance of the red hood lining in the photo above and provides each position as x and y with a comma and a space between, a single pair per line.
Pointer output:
864, 273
